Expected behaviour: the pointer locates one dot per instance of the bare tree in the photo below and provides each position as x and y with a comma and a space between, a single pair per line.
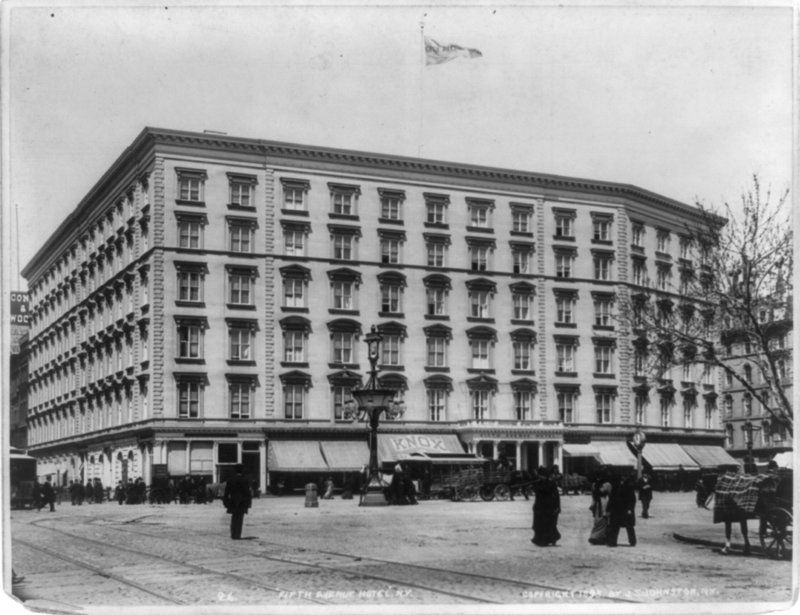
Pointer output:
734, 286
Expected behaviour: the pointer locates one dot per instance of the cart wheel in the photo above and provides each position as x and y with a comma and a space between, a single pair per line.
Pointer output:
776, 534
502, 492
487, 493
470, 492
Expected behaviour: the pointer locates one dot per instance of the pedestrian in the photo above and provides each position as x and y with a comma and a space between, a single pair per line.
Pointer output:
72, 498
728, 511
701, 494
48, 496
237, 500
36, 494
119, 493
98, 491
546, 508
601, 490
89, 492
645, 495
328, 495
621, 511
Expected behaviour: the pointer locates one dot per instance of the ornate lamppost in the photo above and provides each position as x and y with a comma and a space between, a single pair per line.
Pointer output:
639, 440
749, 464
371, 401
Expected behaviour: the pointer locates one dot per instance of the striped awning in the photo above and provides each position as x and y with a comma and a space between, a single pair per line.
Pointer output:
345, 456
581, 450
668, 456
615, 453
396, 447
709, 456
295, 456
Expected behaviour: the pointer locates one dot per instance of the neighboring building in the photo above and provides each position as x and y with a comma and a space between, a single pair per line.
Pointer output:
18, 388
205, 304
741, 410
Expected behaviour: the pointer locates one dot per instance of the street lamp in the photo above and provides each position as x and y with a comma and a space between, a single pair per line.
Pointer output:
639, 440
748, 428
372, 401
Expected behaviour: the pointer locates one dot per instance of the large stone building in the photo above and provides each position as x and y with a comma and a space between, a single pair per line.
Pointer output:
205, 304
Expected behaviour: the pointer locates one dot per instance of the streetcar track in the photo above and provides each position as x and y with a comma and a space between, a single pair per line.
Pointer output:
98, 571
418, 567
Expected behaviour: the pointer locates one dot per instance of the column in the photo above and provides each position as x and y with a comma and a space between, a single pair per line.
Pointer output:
537, 457
519, 454
494, 449
558, 454
262, 466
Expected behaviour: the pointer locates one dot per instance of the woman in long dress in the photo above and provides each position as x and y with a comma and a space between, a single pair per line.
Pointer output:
546, 508
601, 490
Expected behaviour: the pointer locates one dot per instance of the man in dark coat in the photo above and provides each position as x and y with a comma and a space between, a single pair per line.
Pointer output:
645, 495
621, 513
237, 500
89, 492
546, 508
48, 496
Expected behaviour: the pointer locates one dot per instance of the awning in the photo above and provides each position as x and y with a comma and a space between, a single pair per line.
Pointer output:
345, 456
784, 460
443, 460
396, 447
709, 456
615, 453
581, 450
295, 456
667, 456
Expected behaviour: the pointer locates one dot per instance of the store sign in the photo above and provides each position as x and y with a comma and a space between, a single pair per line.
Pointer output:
19, 308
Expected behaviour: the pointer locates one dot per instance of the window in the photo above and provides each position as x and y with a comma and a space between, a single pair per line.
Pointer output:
437, 301
391, 298
437, 404
523, 405
565, 309
639, 406
390, 350
604, 359
603, 402
480, 211
637, 234
639, 276
479, 257
344, 294
190, 340
663, 277
294, 292
190, 285
343, 199
190, 232
479, 303
521, 219
747, 404
685, 247
565, 356
523, 354
294, 240
664, 404
294, 193
241, 284
565, 225
241, 341
240, 188
564, 264
391, 201
601, 228
190, 397
662, 240
390, 250
436, 351
728, 436
523, 305
687, 412
748, 373
479, 401
436, 209
294, 346
603, 311
342, 345
566, 405
522, 261
602, 267
343, 246
436, 254
241, 235
190, 185
341, 396
481, 357
240, 395
293, 401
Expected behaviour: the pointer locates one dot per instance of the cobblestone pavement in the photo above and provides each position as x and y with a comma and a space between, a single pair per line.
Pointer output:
436, 553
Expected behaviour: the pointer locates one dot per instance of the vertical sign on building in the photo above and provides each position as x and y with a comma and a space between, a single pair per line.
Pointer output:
19, 318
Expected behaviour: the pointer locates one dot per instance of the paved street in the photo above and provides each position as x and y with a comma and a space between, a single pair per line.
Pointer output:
436, 553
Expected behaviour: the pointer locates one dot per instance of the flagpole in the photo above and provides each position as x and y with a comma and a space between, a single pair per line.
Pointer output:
421, 83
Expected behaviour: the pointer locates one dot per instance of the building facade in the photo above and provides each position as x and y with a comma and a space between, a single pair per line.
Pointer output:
205, 304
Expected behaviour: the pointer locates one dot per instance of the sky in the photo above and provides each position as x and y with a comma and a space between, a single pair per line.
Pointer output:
687, 102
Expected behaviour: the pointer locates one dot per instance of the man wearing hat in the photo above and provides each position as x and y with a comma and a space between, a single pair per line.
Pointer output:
237, 500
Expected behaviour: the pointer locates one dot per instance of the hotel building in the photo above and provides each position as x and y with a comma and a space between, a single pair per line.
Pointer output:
205, 305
